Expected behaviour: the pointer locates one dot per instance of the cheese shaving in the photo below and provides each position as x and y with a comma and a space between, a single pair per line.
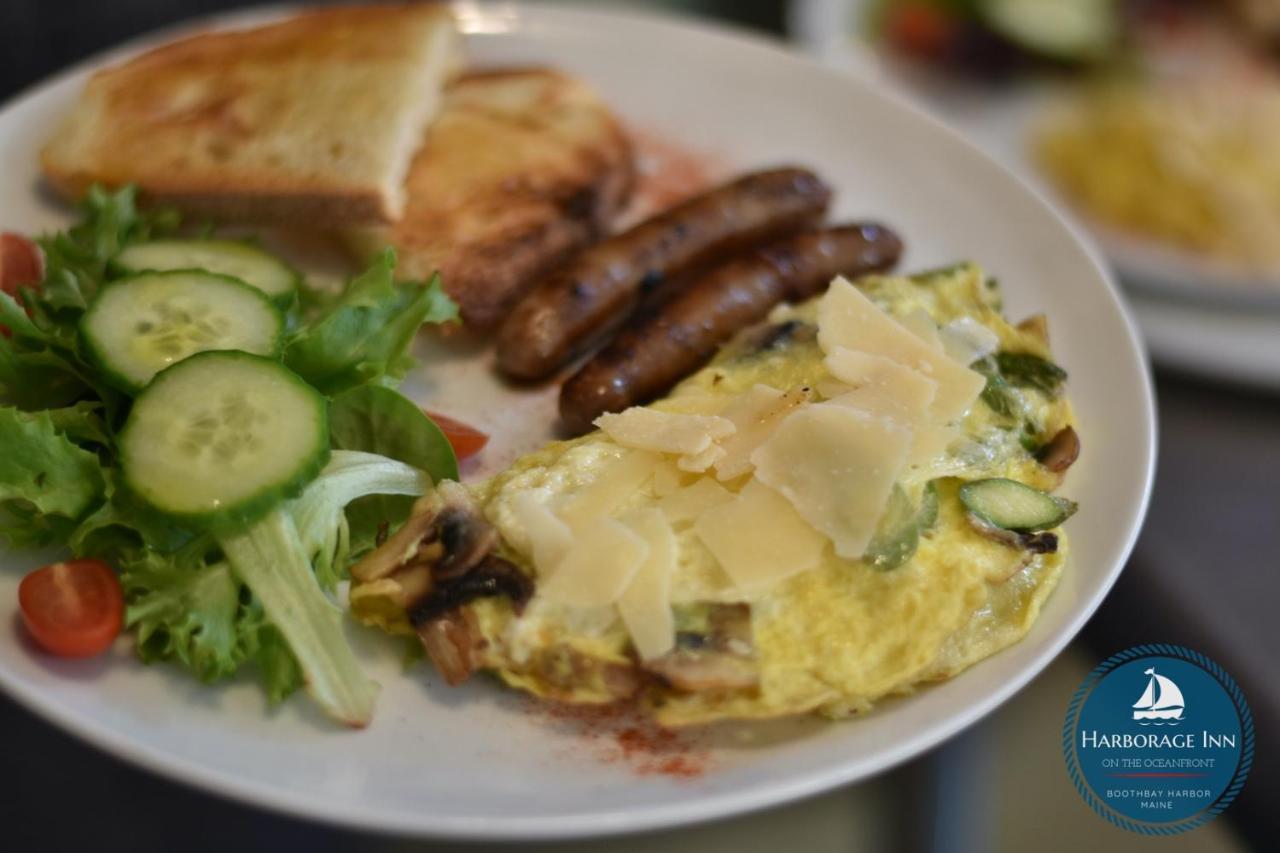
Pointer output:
645, 605
664, 432
836, 466
599, 565
758, 538
847, 318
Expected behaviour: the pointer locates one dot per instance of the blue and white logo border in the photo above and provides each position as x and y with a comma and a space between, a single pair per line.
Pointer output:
1246, 728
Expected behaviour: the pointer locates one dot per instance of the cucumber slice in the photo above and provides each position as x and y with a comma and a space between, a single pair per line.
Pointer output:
1077, 30
246, 262
223, 437
1015, 506
140, 325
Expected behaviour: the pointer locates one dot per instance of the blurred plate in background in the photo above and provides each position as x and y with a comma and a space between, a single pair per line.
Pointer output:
1198, 314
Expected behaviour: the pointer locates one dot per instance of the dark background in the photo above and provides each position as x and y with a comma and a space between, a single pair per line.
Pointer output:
1206, 572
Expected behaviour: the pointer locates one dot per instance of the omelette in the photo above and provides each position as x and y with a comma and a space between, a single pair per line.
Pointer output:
852, 500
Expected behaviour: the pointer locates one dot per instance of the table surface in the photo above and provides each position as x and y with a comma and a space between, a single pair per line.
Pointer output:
1205, 572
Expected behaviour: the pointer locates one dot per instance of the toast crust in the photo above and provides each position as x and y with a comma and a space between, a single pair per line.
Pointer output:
522, 168
314, 118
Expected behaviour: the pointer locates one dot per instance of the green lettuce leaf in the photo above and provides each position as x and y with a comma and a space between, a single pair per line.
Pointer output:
81, 422
46, 481
75, 260
377, 419
120, 529
349, 476
278, 669
365, 335
40, 366
201, 616
272, 561
186, 611
14, 318
37, 378
381, 420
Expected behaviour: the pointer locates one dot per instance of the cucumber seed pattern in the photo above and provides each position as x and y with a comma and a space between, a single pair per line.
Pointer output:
225, 431
176, 328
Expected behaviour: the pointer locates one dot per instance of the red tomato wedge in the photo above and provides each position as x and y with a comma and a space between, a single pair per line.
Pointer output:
19, 266
466, 441
73, 609
19, 263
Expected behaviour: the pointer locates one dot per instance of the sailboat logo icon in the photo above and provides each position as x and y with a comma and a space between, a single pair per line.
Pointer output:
1160, 704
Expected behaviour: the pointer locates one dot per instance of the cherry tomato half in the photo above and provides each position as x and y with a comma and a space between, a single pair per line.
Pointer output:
467, 441
19, 266
19, 263
73, 609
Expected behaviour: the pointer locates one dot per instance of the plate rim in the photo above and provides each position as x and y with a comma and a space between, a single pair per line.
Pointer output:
716, 805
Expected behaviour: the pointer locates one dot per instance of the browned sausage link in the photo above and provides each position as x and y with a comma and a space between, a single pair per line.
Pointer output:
566, 312
659, 348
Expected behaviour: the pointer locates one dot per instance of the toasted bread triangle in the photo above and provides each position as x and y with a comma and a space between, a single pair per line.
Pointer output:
314, 119
522, 168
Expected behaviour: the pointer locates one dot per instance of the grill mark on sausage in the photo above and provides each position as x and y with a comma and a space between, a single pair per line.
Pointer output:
568, 311
658, 347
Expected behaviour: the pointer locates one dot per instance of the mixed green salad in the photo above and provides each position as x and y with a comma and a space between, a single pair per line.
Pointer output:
227, 439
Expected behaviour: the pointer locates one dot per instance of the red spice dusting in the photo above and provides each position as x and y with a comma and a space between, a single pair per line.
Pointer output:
666, 173
622, 734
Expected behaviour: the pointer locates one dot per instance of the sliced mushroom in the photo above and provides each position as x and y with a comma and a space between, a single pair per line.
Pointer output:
397, 549
439, 560
723, 658
453, 642
492, 576
1061, 451
445, 531
698, 671
1039, 542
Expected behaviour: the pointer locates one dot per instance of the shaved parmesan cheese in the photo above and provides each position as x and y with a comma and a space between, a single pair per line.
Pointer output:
696, 463
920, 324
614, 485
667, 478
645, 605
692, 501
758, 538
549, 537
599, 565
929, 442
754, 415
664, 432
847, 318
966, 340
836, 465
881, 385
829, 388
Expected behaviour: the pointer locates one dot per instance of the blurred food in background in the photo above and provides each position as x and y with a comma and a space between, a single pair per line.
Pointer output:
992, 36
1192, 163
1156, 120
1005, 36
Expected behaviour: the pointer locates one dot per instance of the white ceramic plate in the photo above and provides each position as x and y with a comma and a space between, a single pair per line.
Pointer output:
480, 761
1000, 120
